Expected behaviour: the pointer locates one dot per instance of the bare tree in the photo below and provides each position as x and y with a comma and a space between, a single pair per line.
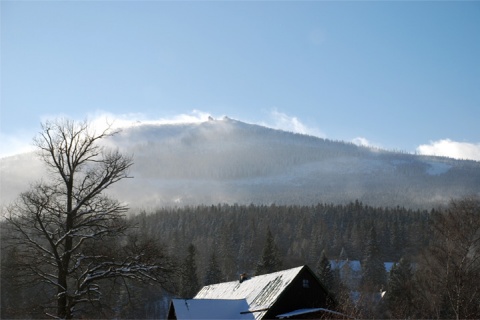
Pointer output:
62, 223
450, 269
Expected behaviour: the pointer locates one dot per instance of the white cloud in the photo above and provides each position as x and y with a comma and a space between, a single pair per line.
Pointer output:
361, 141
284, 122
15, 144
452, 149
101, 119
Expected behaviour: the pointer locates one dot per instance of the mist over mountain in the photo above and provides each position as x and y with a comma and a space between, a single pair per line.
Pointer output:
228, 161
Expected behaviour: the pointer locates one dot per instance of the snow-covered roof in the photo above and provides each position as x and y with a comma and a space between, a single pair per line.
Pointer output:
212, 309
354, 265
259, 292
388, 266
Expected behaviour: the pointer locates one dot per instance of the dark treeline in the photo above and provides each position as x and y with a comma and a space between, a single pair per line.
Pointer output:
209, 244
237, 233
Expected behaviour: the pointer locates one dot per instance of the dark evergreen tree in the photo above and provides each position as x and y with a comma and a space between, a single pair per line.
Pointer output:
189, 280
16, 301
214, 274
227, 249
401, 290
373, 269
270, 260
373, 281
325, 273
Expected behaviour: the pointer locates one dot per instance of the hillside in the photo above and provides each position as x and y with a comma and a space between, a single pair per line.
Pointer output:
227, 161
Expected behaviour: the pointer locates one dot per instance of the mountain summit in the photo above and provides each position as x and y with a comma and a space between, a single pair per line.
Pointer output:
228, 161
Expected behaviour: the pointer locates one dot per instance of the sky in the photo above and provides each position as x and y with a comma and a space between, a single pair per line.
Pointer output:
398, 75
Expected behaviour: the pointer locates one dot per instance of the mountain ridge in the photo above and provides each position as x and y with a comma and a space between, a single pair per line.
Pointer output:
229, 161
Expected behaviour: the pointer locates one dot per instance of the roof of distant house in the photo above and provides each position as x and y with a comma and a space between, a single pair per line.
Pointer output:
354, 265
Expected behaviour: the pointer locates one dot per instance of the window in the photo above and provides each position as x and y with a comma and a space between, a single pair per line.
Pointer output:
306, 283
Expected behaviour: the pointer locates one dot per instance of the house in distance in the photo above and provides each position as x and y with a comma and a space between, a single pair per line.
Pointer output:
294, 293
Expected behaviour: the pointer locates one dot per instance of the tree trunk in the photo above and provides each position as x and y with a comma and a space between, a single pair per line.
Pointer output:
62, 295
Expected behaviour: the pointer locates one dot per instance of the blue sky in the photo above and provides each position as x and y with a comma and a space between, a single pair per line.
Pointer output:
402, 75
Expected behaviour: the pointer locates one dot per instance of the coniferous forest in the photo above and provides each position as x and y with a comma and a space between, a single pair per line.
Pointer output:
208, 244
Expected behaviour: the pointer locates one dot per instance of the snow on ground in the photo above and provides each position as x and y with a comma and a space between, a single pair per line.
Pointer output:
437, 168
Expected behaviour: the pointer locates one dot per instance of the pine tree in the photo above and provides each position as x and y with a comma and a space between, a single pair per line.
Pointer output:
214, 274
400, 293
270, 261
227, 249
373, 280
374, 275
189, 282
325, 273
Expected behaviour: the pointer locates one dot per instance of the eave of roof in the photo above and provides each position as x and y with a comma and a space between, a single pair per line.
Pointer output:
307, 311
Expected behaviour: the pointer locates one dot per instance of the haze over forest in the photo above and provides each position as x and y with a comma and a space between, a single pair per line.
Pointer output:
228, 161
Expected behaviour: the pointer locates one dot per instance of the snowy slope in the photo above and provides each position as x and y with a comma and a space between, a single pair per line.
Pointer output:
227, 161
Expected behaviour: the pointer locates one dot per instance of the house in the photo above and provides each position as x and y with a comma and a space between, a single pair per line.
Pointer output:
350, 271
294, 293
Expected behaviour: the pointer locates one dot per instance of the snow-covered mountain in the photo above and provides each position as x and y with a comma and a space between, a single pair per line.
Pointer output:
227, 161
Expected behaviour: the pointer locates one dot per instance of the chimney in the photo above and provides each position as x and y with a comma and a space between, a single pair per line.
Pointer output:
243, 277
